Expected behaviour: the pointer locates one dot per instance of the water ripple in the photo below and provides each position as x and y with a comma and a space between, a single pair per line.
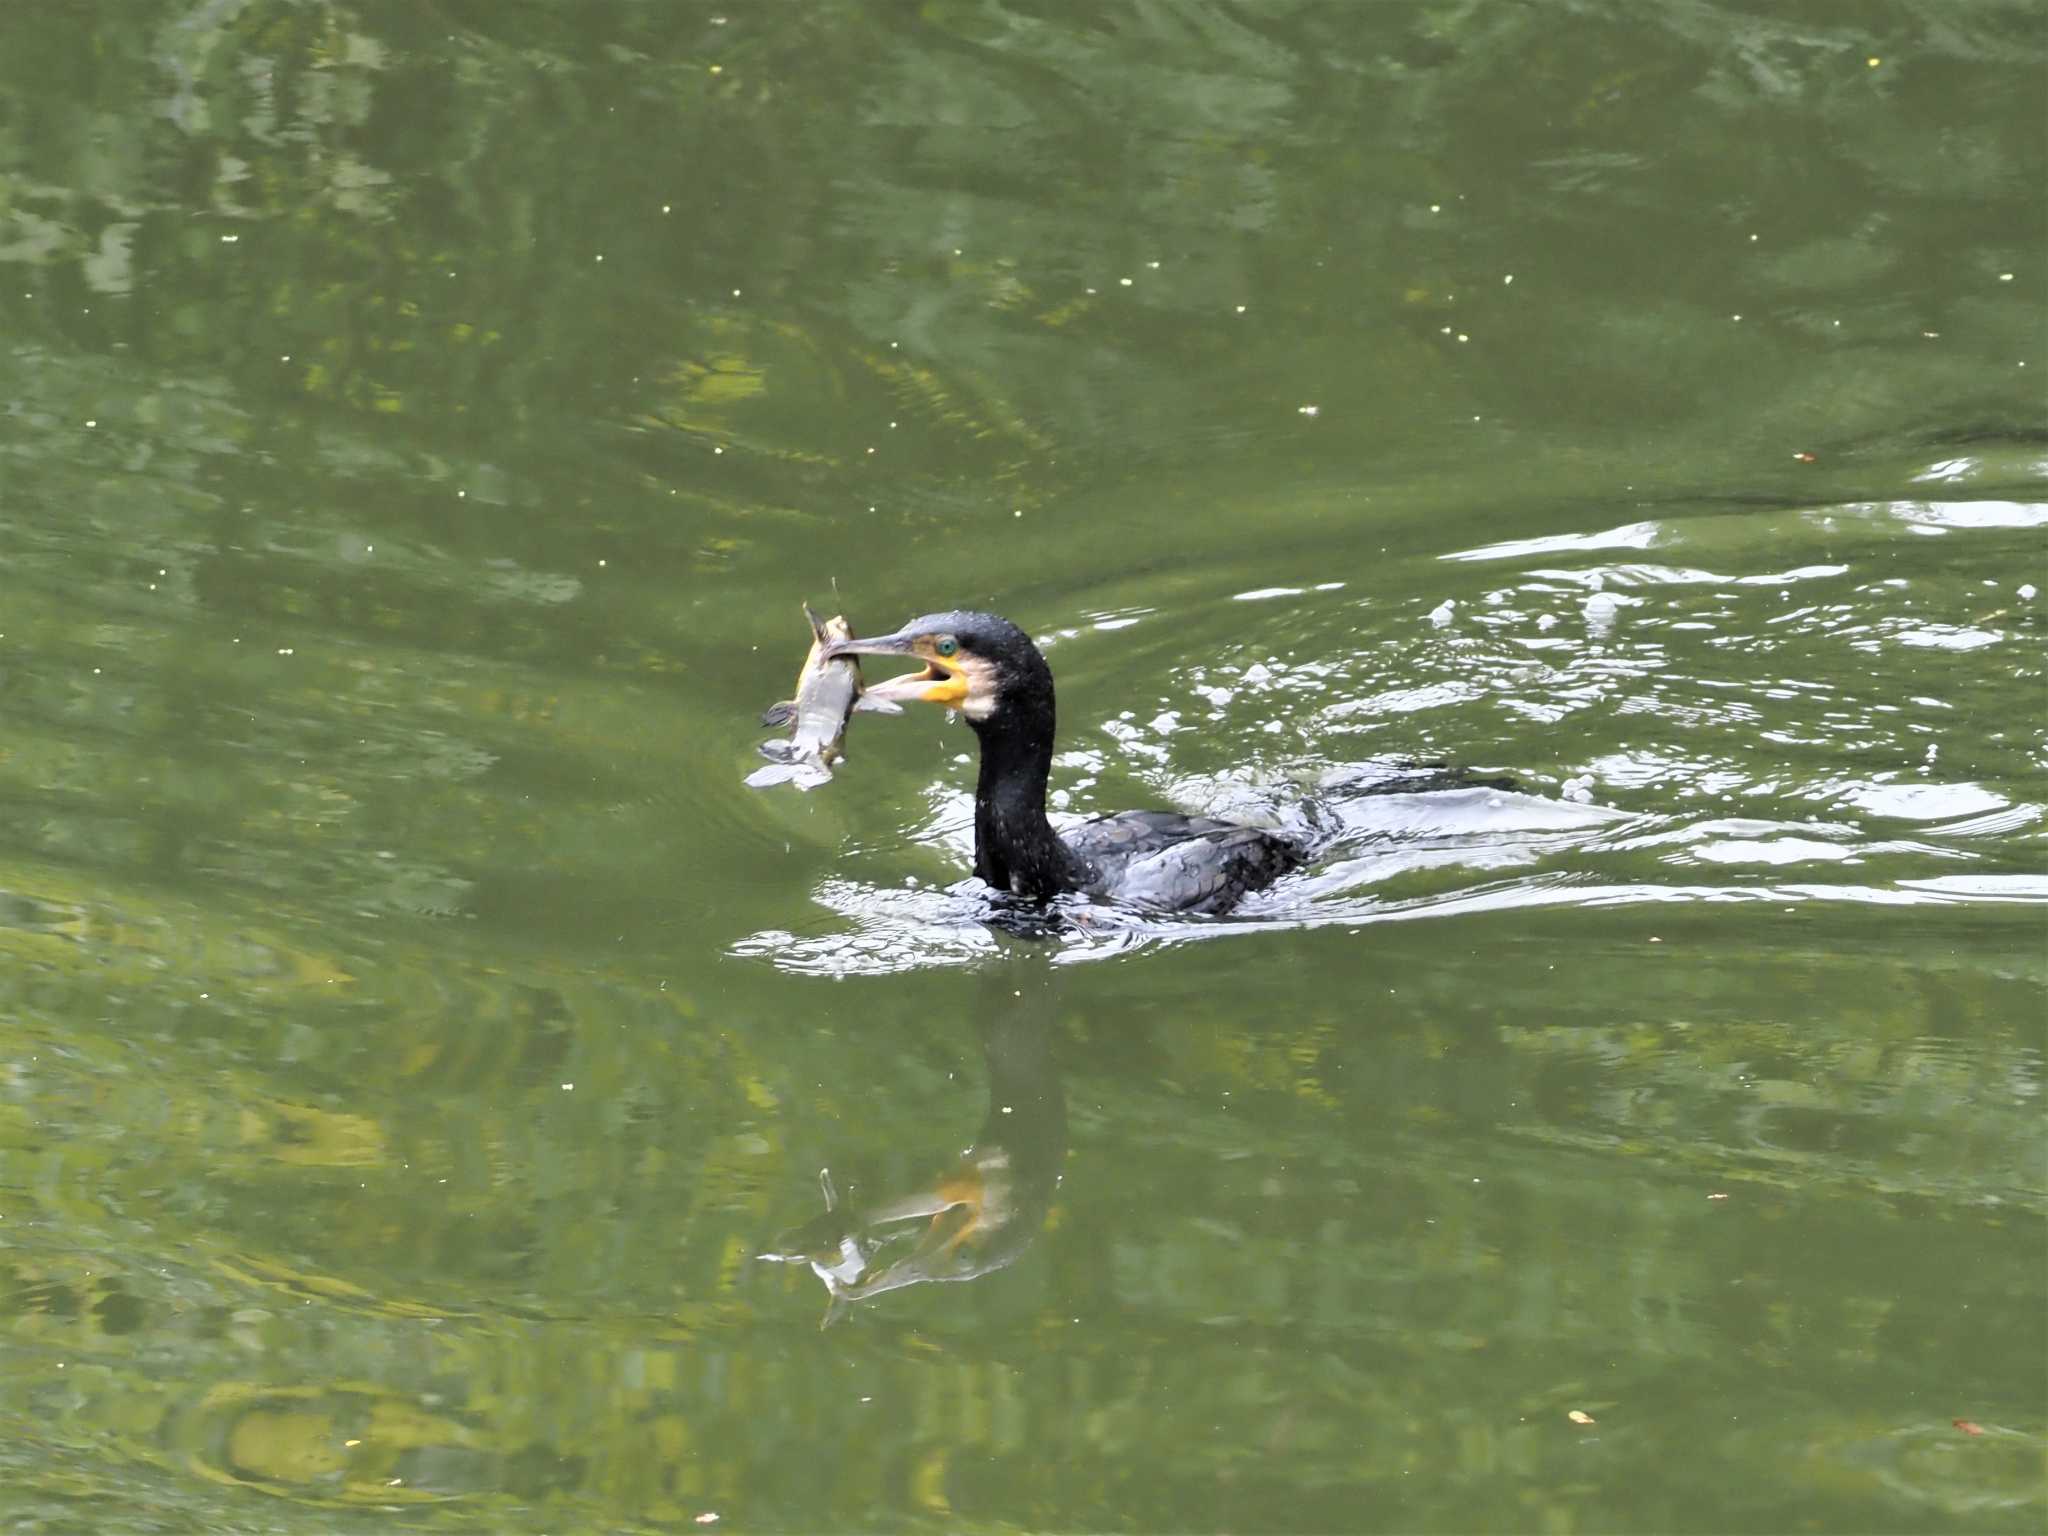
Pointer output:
1400, 858
1700, 737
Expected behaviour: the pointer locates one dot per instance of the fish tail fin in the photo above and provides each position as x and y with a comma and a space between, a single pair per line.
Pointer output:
779, 714
803, 774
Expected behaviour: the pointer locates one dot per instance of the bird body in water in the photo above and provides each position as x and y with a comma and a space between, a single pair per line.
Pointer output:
989, 670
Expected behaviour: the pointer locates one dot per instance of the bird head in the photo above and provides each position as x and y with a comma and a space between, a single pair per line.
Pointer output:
977, 663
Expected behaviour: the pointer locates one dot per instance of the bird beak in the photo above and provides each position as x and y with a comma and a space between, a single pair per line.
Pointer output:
939, 683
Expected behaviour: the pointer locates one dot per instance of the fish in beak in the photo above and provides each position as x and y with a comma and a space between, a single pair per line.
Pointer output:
946, 677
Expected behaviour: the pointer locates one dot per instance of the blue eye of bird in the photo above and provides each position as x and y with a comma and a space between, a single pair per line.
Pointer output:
946, 645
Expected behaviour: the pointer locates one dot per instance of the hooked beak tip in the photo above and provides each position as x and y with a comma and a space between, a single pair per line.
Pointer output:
882, 645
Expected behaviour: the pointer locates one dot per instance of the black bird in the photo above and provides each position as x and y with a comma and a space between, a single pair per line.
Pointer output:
988, 669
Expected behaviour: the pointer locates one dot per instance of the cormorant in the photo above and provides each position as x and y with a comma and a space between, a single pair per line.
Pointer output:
988, 669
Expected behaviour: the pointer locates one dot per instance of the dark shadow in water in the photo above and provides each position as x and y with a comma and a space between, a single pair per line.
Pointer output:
981, 1213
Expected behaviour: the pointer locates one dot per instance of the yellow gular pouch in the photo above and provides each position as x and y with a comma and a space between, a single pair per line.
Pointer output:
948, 683
960, 681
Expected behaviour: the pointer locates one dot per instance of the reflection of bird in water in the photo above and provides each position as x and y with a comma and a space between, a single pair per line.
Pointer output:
977, 1217
988, 669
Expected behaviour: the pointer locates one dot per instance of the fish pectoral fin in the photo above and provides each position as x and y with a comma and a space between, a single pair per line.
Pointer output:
873, 705
777, 751
779, 714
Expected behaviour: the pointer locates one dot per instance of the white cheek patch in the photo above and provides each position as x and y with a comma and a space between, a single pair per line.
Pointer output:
980, 702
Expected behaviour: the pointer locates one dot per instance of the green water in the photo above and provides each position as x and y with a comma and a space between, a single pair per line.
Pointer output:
418, 425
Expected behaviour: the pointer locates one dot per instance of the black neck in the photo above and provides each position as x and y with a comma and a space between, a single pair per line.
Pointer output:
1015, 847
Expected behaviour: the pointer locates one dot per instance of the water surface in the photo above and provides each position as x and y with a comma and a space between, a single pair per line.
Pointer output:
419, 427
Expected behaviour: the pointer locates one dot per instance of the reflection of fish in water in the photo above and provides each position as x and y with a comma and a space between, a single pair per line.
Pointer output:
827, 692
832, 1243
973, 1229
975, 1219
